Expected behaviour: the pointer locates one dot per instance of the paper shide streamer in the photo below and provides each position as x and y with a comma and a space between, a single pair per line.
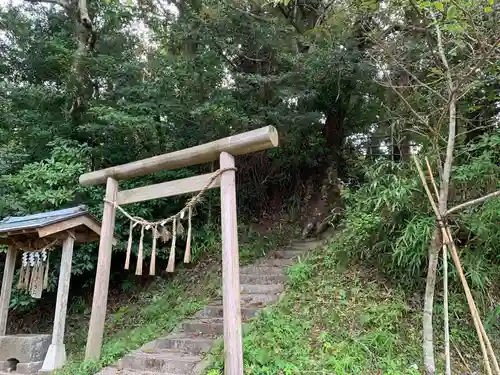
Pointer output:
34, 272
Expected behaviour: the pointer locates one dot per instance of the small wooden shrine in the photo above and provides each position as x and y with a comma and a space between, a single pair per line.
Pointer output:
36, 236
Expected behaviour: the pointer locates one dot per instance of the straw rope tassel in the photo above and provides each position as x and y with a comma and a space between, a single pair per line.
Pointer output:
30, 284
32, 279
20, 283
138, 270
27, 277
187, 253
39, 281
129, 245
152, 266
46, 275
171, 259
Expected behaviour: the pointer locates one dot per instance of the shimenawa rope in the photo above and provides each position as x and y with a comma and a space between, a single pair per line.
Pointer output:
165, 235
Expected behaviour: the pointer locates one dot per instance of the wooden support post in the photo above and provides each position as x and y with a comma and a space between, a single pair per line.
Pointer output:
100, 301
8, 275
56, 355
233, 347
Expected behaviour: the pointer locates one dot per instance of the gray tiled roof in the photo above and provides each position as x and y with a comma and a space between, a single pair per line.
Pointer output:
39, 220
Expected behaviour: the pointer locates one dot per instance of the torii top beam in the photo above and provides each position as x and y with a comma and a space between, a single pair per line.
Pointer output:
252, 141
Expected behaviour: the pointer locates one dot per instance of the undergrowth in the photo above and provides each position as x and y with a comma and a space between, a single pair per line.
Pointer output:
339, 318
388, 221
158, 310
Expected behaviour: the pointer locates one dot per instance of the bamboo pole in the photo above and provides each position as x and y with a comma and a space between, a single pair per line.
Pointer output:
446, 316
474, 201
450, 237
447, 237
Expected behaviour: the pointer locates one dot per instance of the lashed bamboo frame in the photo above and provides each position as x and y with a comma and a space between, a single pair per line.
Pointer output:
484, 341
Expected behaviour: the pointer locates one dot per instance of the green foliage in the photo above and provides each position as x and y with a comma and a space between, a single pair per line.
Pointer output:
47, 184
388, 221
299, 273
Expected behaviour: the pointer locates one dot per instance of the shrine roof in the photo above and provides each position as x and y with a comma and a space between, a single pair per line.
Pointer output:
34, 221
51, 225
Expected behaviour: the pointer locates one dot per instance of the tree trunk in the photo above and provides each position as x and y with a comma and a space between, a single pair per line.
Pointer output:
86, 39
428, 338
333, 133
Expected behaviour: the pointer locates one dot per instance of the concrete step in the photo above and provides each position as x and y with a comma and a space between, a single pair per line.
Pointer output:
181, 352
163, 361
306, 245
216, 311
288, 254
187, 343
273, 262
210, 326
258, 299
116, 371
261, 270
261, 289
262, 279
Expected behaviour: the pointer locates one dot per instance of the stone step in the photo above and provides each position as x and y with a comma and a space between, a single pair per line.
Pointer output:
261, 289
258, 299
187, 343
216, 311
262, 279
181, 352
288, 254
162, 361
273, 262
305, 245
250, 299
210, 326
261, 270
116, 371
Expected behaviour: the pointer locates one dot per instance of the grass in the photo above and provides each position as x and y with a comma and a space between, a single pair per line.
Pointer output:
158, 312
153, 312
338, 320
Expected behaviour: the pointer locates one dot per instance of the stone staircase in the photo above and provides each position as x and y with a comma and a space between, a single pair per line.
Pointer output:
182, 351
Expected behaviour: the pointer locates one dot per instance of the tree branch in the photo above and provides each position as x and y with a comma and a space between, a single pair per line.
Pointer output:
84, 14
62, 3
250, 14
291, 20
408, 105
473, 202
452, 106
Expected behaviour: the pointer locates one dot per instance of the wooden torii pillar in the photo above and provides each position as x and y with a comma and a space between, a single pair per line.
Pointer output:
224, 149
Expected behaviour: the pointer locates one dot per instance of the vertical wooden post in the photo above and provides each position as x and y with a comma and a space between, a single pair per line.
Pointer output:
8, 275
100, 300
56, 355
233, 347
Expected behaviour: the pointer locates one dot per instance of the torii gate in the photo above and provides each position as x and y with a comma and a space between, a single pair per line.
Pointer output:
222, 149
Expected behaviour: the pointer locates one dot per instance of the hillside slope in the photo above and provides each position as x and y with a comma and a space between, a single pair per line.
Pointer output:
335, 319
